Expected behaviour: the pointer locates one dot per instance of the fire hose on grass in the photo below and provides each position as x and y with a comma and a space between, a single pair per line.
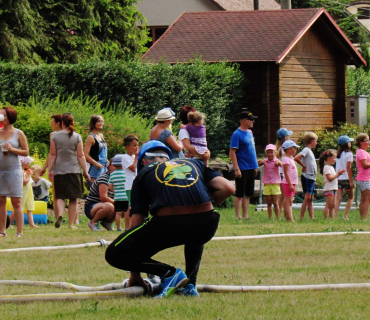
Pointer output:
118, 290
154, 284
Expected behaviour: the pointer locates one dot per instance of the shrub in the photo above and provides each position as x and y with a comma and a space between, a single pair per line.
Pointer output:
215, 89
358, 82
34, 120
328, 139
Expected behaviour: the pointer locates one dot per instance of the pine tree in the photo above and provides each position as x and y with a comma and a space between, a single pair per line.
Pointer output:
32, 31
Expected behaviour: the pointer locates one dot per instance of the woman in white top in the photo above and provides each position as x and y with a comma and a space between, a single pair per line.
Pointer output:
345, 182
184, 136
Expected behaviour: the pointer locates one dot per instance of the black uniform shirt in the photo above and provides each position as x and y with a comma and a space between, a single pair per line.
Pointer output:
180, 182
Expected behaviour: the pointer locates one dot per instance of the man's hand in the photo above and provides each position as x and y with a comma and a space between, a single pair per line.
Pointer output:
136, 280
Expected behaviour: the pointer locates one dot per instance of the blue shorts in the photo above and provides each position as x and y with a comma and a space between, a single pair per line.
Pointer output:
95, 173
308, 185
46, 199
88, 208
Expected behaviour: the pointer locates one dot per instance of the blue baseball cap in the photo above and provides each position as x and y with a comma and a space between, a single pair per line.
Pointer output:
282, 133
342, 140
289, 143
147, 147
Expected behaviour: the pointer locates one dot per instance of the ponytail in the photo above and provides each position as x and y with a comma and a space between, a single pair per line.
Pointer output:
71, 129
324, 156
67, 120
280, 152
279, 144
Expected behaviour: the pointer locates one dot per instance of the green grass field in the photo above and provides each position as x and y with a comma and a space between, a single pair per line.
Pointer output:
276, 261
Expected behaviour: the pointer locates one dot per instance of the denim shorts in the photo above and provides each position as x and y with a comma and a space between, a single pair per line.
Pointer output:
45, 199
308, 185
88, 208
96, 173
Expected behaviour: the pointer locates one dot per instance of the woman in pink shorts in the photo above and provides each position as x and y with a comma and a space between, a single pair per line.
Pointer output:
290, 179
363, 169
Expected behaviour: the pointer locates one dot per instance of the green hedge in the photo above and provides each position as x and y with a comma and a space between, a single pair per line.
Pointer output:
215, 89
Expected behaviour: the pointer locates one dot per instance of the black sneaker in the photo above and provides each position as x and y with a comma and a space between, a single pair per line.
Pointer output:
107, 225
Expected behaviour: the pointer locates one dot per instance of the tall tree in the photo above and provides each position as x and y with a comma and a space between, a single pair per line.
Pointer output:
33, 31
337, 9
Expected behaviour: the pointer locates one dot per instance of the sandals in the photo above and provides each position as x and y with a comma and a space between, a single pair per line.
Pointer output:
19, 235
2, 234
58, 222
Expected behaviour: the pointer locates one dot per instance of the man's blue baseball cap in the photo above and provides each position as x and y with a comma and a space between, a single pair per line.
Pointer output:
282, 133
147, 147
342, 140
289, 143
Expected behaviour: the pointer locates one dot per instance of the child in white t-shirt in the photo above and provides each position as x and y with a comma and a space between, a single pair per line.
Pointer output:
40, 185
345, 182
326, 162
129, 165
307, 160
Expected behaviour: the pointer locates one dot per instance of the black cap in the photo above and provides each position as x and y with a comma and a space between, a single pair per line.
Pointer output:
247, 115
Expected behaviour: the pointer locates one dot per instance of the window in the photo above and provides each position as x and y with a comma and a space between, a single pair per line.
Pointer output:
363, 13
155, 34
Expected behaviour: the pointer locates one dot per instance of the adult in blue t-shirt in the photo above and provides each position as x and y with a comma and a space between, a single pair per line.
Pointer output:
244, 159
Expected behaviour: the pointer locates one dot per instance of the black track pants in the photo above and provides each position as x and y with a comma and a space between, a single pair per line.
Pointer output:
133, 249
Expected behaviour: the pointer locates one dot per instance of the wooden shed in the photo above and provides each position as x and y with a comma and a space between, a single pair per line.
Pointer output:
295, 62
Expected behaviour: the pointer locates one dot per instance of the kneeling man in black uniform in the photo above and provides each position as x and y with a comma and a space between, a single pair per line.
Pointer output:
179, 194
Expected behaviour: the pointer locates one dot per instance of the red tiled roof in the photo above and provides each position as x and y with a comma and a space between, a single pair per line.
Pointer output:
238, 36
238, 5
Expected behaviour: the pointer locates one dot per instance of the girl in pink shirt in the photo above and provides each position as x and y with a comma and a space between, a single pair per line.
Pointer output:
363, 169
290, 179
271, 180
